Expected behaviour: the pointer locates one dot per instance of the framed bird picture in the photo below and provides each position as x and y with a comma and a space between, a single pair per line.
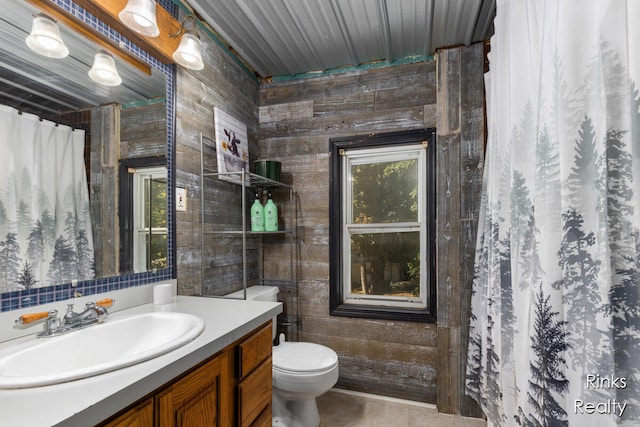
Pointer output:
232, 147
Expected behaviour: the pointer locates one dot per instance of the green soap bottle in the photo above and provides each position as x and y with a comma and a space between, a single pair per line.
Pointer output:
270, 215
257, 214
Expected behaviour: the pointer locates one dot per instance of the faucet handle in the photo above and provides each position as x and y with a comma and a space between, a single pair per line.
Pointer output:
102, 305
52, 323
70, 314
32, 317
107, 302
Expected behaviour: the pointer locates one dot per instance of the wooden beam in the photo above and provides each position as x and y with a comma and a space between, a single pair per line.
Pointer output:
85, 30
162, 47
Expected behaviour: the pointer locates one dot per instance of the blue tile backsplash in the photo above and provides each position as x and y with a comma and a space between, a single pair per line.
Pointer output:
27, 298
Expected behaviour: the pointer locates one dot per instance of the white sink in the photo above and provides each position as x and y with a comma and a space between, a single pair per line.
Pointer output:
115, 344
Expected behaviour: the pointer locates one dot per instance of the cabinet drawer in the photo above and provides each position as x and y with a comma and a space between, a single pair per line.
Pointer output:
254, 395
254, 350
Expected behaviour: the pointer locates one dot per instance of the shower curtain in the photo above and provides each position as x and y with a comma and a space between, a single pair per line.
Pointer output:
555, 320
45, 224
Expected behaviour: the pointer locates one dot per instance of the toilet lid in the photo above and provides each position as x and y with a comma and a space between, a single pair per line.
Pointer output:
303, 357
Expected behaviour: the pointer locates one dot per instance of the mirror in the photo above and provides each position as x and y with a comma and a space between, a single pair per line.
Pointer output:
125, 136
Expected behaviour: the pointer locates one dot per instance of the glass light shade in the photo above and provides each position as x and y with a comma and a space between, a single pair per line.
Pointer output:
188, 52
140, 16
104, 70
45, 38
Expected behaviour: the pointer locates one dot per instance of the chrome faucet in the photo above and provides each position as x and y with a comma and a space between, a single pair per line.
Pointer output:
53, 326
92, 314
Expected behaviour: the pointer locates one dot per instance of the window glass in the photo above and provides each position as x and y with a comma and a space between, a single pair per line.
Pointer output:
382, 198
382, 226
385, 264
150, 213
384, 192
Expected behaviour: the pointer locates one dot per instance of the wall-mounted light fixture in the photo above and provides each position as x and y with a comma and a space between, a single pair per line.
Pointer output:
104, 70
188, 54
45, 37
140, 16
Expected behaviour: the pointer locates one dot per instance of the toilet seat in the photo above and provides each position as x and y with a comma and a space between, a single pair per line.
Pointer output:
301, 371
303, 357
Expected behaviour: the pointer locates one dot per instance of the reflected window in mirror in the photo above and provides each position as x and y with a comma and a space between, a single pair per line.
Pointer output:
150, 218
142, 214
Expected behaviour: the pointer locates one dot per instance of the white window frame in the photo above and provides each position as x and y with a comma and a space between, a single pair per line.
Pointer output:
384, 155
141, 177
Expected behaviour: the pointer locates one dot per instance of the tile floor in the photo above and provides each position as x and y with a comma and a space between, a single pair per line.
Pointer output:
341, 408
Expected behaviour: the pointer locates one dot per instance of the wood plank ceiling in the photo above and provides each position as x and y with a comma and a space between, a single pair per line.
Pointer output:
290, 37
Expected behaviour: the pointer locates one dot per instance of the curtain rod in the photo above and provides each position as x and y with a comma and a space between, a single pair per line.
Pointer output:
57, 122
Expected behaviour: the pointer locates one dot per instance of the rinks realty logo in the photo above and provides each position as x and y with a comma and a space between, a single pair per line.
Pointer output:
596, 382
608, 406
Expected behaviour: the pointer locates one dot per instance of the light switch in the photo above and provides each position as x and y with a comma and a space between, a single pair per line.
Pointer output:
181, 199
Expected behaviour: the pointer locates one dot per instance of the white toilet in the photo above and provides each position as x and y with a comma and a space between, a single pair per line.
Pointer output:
302, 371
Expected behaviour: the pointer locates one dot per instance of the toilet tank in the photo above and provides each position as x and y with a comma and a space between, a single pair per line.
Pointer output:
260, 293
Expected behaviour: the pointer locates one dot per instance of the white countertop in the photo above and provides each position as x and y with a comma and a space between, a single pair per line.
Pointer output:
88, 401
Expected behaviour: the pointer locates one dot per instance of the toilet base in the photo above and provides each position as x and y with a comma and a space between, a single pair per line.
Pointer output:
295, 413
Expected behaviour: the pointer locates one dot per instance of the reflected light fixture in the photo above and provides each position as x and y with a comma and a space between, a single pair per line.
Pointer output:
140, 16
188, 54
104, 70
45, 37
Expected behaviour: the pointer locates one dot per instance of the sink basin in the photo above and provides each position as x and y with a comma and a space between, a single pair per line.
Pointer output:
115, 344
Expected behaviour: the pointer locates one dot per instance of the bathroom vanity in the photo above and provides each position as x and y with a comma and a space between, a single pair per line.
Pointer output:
222, 376
206, 395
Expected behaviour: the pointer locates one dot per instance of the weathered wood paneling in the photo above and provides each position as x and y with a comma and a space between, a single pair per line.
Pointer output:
104, 177
293, 124
403, 97
472, 164
448, 229
290, 111
143, 131
384, 357
352, 83
225, 85
348, 124
461, 134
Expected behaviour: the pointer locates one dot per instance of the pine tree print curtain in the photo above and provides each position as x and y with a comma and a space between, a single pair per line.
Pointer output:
45, 224
555, 327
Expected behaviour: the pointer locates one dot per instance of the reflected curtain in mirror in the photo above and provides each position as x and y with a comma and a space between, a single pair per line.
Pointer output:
45, 224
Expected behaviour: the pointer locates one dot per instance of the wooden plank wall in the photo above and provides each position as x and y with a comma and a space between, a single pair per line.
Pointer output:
223, 84
105, 137
422, 362
460, 143
143, 131
292, 122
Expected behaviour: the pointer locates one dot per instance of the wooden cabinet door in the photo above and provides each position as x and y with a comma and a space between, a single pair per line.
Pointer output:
139, 416
201, 398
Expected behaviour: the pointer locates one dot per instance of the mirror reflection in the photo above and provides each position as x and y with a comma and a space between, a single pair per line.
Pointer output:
83, 176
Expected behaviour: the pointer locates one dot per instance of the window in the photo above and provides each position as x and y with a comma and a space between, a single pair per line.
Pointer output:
382, 226
150, 219
143, 214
